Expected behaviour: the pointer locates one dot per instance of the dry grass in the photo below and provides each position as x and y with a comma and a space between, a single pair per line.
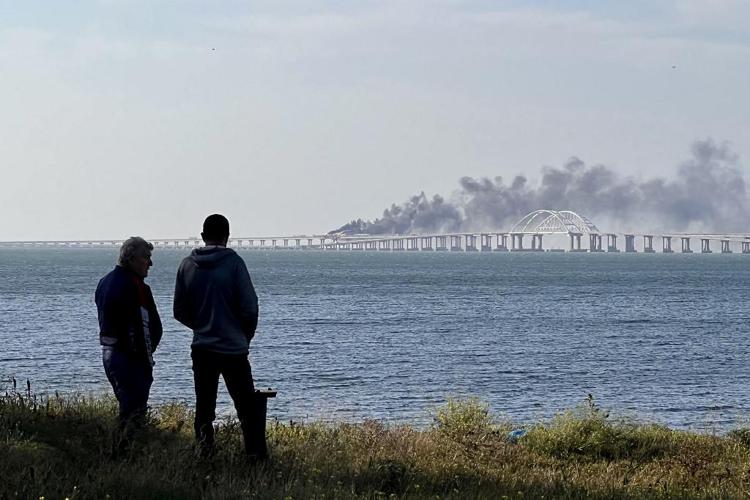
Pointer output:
60, 447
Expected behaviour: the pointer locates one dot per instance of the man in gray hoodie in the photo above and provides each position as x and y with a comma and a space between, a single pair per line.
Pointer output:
214, 296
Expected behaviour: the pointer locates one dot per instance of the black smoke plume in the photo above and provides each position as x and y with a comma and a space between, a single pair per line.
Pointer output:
708, 194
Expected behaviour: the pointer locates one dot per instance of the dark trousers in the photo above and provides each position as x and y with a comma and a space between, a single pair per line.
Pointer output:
238, 377
131, 380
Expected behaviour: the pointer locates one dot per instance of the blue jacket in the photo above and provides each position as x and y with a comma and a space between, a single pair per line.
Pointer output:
121, 320
214, 296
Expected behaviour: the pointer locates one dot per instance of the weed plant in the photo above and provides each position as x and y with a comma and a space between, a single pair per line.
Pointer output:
61, 447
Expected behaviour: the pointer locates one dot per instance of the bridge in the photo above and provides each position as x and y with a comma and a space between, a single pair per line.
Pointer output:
533, 228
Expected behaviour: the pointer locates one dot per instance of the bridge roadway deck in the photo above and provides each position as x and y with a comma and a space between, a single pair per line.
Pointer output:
459, 241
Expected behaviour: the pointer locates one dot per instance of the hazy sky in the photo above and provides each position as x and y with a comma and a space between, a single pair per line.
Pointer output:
125, 117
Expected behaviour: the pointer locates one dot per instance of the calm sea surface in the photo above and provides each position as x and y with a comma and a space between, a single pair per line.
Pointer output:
346, 336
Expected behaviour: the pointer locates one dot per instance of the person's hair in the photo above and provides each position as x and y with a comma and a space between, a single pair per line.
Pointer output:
133, 247
215, 228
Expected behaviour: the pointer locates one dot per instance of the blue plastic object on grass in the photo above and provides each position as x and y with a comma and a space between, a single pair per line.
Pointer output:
516, 434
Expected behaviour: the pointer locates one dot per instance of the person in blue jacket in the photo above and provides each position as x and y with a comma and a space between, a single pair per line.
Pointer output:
129, 331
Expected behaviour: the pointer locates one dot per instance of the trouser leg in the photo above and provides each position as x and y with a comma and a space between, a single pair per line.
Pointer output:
206, 376
250, 409
134, 418
131, 380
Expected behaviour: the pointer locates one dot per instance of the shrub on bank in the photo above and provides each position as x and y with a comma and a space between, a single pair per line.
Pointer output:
587, 433
60, 447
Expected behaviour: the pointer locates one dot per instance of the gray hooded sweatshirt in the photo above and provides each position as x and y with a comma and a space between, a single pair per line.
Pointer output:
214, 296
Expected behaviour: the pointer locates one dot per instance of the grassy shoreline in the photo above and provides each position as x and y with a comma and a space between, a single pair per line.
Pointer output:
60, 447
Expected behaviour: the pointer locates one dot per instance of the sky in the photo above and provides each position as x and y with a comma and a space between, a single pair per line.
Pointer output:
134, 117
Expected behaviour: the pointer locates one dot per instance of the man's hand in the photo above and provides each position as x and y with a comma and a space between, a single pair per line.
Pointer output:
250, 327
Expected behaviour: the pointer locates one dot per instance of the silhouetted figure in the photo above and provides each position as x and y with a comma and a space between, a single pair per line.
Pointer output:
129, 331
214, 296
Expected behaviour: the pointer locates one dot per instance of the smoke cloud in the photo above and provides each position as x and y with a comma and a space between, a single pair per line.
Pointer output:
708, 194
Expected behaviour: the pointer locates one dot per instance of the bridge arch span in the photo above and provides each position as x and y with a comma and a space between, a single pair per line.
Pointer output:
554, 222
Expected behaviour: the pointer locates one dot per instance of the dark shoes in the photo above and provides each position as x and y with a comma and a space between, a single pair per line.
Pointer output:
121, 447
204, 436
127, 430
253, 425
255, 460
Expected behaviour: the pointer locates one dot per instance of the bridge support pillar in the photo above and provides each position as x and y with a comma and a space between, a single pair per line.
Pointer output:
456, 243
471, 243
486, 242
441, 243
705, 245
612, 243
536, 243
398, 245
630, 243
426, 243
595, 242
685, 244
516, 241
502, 242
725, 246
746, 247
648, 243
666, 244
575, 242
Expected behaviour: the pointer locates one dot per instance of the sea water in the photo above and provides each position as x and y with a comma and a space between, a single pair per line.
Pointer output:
390, 336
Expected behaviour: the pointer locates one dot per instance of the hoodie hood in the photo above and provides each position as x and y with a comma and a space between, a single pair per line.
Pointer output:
207, 257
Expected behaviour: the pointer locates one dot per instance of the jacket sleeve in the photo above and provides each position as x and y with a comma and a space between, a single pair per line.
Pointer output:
111, 304
183, 312
155, 326
247, 300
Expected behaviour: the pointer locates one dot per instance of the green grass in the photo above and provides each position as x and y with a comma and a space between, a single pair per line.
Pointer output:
59, 447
